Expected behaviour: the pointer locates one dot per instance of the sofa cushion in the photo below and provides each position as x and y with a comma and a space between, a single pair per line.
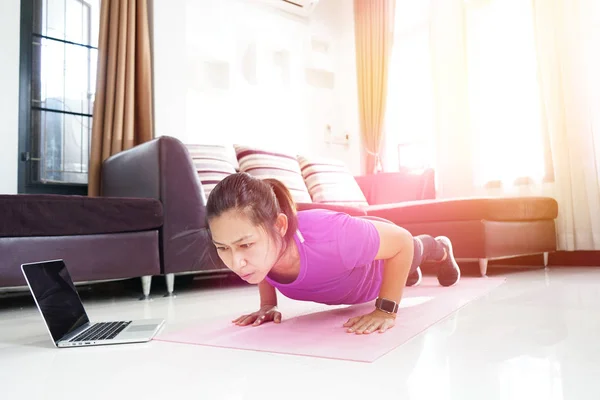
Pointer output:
57, 215
212, 163
466, 209
329, 181
265, 164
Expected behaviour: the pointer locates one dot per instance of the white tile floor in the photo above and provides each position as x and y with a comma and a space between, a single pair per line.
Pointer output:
535, 337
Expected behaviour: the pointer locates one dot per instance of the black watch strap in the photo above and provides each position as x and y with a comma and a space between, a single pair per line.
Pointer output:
385, 305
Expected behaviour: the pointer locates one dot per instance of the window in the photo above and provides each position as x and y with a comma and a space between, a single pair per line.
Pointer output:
410, 108
504, 95
504, 108
58, 76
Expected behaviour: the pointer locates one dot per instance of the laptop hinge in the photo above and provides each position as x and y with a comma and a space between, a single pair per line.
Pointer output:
74, 333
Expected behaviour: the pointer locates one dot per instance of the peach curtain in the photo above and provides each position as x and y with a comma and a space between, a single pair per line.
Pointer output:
373, 30
123, 112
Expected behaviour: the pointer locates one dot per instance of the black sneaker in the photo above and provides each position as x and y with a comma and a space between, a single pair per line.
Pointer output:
448, 272
414, 278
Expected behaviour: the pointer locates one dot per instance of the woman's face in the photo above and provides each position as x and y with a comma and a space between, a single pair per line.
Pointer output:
245, 248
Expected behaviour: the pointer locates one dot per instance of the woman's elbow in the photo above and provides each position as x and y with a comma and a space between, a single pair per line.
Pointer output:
393, 241
405, 239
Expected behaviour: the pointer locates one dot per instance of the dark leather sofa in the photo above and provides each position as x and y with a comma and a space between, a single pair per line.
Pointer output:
99, 238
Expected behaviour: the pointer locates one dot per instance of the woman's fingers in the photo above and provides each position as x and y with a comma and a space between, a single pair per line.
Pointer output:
362, 326
355, 323
238, 319
258, 318
268, 316
248, 320
261, 318
373, 326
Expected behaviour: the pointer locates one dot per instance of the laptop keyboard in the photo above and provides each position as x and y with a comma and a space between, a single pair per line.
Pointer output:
102, 331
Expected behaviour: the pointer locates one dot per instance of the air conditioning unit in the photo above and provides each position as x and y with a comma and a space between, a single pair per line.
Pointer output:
301, 8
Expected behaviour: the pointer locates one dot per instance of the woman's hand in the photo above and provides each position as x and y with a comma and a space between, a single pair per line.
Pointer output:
265, 314
374, 321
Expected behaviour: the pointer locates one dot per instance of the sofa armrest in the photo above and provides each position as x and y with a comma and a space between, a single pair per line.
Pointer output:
397, 187
132, 173
163, 169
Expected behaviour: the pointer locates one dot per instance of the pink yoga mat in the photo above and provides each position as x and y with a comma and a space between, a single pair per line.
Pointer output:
319, 332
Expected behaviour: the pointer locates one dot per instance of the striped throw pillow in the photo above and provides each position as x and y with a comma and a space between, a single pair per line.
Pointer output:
269, 164
330, 181
212, 163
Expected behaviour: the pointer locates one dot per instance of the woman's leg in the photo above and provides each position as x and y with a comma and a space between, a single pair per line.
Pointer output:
414, 274
433, 250
439, 250
429, 249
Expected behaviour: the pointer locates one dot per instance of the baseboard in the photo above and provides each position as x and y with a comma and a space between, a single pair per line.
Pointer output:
575, 258
559, 258
556, 259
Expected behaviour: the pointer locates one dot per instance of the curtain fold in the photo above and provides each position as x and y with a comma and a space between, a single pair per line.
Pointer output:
123, 115
374, 29
455, 145
567, 37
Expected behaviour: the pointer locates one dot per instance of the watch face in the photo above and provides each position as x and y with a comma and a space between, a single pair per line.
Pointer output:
387, 305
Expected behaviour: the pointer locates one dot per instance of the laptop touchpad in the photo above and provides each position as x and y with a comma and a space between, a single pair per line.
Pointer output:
141, 328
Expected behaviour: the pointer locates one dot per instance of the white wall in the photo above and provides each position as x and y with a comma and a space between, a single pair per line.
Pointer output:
339, 15
209, 88
9, 94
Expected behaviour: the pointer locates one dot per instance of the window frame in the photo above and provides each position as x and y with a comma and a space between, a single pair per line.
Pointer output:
26, 185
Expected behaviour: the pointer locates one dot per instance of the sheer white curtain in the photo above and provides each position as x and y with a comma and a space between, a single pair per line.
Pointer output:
568, 39
507, 93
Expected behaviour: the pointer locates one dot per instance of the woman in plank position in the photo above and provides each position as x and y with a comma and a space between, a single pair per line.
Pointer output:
317, 255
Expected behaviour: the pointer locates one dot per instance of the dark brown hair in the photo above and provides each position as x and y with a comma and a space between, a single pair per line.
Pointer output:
260, 199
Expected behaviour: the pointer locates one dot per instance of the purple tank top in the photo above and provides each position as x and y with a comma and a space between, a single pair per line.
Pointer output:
337, 259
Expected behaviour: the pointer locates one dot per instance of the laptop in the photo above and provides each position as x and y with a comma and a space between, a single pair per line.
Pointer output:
64, 315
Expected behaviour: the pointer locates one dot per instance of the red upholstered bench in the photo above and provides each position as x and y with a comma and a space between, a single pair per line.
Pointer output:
481, 228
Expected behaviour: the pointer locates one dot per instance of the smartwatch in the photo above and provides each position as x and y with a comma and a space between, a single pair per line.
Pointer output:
385, 305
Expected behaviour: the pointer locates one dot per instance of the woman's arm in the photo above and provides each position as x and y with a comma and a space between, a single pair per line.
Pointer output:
268, 295
396, 248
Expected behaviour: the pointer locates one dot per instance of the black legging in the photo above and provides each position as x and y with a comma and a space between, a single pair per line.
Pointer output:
426, 248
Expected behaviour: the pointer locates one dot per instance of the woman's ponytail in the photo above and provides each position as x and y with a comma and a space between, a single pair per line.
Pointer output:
286, 205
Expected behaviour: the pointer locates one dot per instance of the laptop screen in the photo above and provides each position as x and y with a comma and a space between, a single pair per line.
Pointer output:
56, 297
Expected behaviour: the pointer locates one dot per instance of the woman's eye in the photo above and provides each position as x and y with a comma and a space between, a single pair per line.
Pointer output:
246, 245
221, 248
